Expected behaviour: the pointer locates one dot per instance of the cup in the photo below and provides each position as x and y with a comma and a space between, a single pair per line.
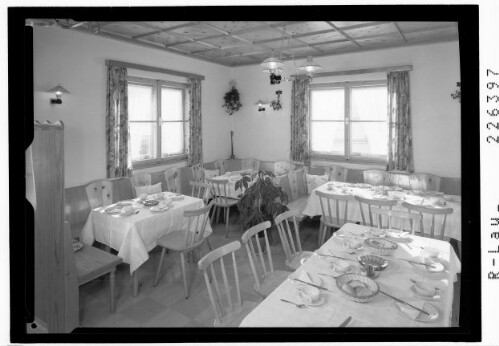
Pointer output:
310, 294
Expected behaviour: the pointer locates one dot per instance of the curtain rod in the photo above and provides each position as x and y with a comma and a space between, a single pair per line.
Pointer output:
363, 71
153, 69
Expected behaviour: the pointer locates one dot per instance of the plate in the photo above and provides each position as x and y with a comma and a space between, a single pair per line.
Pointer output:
159, 209
436, 267
114, 211
396, 233
421, 317
318, 302
127, 213
127, 202
363, 186
77, 245
435, 297
177, 198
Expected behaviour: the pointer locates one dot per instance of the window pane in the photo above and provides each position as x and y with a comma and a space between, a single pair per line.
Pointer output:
369, 103
143, 140
172, 138
327, 104
328, 137
141, 102
171, 104
369, 139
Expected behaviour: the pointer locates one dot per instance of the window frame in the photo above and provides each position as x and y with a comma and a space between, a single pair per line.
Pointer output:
157, 85
347, 157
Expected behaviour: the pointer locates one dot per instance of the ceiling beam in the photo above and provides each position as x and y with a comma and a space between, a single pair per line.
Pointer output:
400, 31
364, 25
290, 36
165, 29
345, 35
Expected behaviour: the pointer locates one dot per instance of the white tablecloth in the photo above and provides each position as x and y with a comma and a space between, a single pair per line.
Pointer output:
135, 235
380, 311
233, 177
453, 224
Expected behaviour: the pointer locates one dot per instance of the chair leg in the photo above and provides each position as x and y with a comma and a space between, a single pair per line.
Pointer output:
182, 263
227, 223
159, 266
218, 214
208, 243
213, 215
135, 284
324, 232
111, 287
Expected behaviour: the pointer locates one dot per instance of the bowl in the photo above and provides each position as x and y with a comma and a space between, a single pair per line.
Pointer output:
358, 288
377, 262
424, 289
431, 252
380, 246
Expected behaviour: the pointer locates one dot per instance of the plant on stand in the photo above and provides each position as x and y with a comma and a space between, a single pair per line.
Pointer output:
260, 202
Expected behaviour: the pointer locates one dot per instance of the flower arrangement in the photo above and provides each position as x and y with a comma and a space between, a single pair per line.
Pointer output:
231, 99
457, 94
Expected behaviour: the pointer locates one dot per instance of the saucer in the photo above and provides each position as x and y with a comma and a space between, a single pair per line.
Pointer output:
430, 298
421, 317
114, 211
318, 302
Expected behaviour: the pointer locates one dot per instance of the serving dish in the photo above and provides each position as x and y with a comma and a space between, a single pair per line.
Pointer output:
380, 246
377, 262
358, 288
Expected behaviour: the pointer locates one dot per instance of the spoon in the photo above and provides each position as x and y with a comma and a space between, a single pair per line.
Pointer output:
297, 305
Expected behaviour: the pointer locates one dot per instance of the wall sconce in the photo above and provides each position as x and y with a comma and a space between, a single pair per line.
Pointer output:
58, 91
261, 105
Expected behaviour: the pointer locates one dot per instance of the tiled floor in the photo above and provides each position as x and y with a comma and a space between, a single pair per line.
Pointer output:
165, 304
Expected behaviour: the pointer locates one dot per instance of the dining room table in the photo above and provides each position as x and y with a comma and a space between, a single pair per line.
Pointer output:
134, 233
429, 199
397, 280
233, 177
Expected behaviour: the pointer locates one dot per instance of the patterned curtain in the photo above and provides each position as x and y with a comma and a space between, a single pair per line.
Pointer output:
195, 122
400, 150
300, 98
119, 162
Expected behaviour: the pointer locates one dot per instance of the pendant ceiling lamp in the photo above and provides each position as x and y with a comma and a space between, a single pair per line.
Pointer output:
309, 66
272, 65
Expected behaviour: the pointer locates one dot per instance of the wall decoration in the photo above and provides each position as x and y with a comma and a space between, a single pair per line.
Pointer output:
457, 94
231, 99
276, 104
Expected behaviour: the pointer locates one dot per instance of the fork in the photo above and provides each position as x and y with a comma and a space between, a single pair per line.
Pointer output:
297, 305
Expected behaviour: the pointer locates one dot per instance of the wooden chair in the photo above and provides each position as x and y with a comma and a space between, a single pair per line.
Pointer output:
200, 190
219, 189
376, 177
91, 263
186, 241
295, 256
172, 180
414, 219
252, 164
336, 173
331, 217
400, 179
372, 202
99, 193
425, 182
433, 212
266, 279
141, 179
283, 167
197, 172
232, 313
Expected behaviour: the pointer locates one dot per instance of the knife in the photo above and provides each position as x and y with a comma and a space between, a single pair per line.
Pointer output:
346, 322
348, 259
314, 285
403, 302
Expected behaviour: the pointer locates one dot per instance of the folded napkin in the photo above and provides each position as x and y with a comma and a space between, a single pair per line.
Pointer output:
304, 276
410, 311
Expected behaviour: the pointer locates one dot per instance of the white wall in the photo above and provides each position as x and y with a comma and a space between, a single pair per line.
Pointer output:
435, 115
77, 60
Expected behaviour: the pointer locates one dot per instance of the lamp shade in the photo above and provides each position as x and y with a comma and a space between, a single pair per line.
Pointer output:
276, 71
272, 63
260, 103
309, 66
59, 90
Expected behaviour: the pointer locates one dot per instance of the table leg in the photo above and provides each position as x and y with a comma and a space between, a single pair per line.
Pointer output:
135, 283
111, 287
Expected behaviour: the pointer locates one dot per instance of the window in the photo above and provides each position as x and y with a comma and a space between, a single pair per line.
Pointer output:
349, 121
158, 120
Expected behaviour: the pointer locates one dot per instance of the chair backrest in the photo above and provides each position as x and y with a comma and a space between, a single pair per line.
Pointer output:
433, 212
425, 181
290, 242
376, 177
336, 173
219, 190
197, 172
372, 202
76, 205
283, 167
249, 238
332, 215
172, 180
200, 189
252, 164
140, 179
414, 219
99, 193
196, 225
207, 263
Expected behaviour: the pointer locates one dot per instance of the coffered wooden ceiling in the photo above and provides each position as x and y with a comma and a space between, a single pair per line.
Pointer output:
245, 43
